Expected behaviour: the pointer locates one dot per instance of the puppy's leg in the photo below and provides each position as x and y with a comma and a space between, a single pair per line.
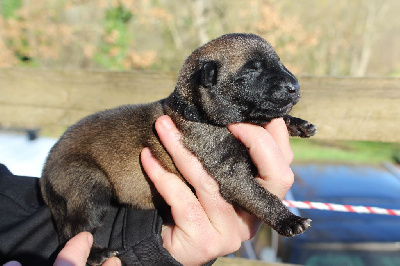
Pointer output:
252, 197
228, 161
82, 206
298, 127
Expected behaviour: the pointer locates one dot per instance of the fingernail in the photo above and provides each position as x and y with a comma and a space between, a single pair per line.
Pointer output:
234, 126
12, 263
90, 238
146, 152
166, 123
117, 261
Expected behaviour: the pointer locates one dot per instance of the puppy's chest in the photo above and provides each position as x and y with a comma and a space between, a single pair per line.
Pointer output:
213, 145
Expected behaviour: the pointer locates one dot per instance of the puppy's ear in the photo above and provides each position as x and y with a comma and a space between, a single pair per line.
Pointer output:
209, 72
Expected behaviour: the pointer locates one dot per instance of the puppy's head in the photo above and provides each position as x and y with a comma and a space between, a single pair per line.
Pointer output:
235, 78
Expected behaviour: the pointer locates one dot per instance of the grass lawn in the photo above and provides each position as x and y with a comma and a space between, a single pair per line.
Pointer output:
345, 151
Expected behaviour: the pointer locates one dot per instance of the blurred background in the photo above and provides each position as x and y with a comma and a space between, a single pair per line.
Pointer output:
57, 55
358, 38
313, 37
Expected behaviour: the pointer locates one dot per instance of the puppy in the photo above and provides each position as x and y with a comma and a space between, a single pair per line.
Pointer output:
234, 78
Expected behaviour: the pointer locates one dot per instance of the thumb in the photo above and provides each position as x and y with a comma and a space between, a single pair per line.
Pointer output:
76, 251
12, 263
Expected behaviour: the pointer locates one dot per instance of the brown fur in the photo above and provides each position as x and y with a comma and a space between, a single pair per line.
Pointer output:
235, 78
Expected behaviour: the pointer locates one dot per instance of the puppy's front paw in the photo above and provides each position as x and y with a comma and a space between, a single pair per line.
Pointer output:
298, 127
306, 130
99, 255
294, 225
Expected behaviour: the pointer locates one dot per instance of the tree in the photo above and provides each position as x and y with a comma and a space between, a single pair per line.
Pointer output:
314, 37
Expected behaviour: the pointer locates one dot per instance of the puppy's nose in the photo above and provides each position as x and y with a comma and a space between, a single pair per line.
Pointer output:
293, 88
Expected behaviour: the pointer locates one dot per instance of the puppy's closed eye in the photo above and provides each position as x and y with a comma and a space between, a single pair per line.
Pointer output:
256, 65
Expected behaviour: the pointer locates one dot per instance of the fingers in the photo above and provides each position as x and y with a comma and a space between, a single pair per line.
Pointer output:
209, 218
185, 207
170, 137
278, 131
219, 211
114, 261
270, 153
192, 228
76, 251
269, 149
194, 237
12, 263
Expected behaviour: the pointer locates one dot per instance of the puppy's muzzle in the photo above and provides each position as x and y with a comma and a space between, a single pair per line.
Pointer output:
293, 88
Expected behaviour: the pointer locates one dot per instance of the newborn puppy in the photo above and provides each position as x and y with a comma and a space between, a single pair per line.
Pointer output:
234, 78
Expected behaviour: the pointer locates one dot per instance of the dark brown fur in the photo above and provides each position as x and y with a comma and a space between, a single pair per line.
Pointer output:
235, 78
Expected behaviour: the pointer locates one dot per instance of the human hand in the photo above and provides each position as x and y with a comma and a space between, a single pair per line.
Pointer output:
206, 226
76, 251
12, 263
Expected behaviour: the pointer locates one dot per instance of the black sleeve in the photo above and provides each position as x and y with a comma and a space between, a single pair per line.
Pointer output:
136, 235
28, 234
139, 247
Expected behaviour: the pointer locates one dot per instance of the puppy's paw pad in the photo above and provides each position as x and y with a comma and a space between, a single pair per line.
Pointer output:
298, 127
293, 226
307, 130
99, 255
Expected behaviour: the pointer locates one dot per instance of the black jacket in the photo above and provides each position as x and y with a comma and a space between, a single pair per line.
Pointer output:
28, 234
